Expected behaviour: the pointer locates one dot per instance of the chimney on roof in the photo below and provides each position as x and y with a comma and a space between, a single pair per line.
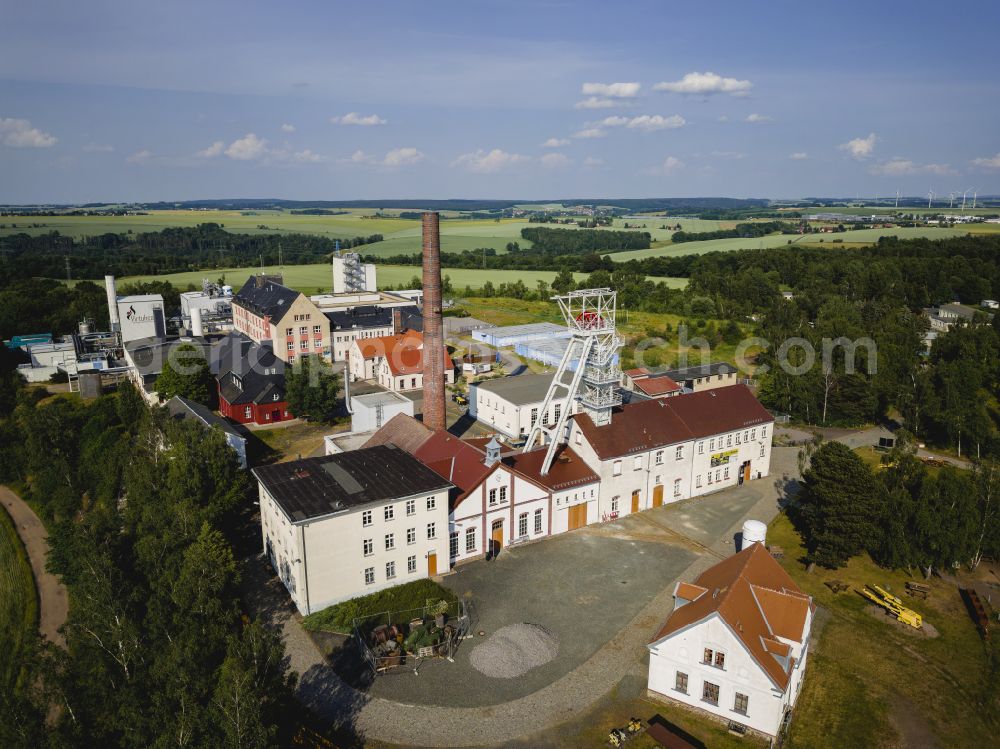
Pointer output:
397, 320
260, 278
434, 403
492, 452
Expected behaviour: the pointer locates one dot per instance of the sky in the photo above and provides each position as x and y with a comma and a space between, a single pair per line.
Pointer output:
124, 101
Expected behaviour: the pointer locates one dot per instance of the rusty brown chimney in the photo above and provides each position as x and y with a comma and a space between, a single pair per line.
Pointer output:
434, 410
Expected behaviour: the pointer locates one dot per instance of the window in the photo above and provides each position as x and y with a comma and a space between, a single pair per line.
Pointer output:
679, 455
411, 564
720, 660
753, 434
522, 525
708, 656
710, 692
369, 575
534, 416
411, 535
737, 438
762, 451
701, 448
697, 481
247, 412
369, 547
303, 330
493, 496
453, 544
276, 397
718, 472
303, 344
659, 457
711, 444
470, 540
503, 493
637, 463
614, 503
389, 512
763, 432
316, 330
390, 541
390, 570
681, 682
709, 477
729, 440
616, 468
725, 473
741, 703
289, 332
677, 487
556, 411
579, 438
538, 521
411, 507
431, 503
366, 518
431, 532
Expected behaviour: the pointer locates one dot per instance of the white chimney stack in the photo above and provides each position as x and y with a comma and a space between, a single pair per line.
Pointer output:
197, 329
109, 285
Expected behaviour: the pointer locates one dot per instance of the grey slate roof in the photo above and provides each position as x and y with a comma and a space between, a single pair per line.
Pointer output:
366, 316
248, 372
182, 408
270, 299
313, 487
691, 373
521, 389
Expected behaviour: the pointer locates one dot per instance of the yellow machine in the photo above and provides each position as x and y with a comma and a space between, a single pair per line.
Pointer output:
893, 605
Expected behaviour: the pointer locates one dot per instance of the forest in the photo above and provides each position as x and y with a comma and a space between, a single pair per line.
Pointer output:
582, 241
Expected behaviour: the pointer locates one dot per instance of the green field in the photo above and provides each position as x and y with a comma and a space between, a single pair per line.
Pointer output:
18, 601
316, 278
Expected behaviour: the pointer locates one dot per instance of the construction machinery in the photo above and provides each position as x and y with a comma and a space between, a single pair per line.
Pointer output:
893, 605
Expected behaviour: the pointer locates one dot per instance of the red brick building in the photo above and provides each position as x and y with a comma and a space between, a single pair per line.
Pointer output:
251, 385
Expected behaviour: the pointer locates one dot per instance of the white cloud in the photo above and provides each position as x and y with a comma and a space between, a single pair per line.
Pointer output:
757, 118
798, 156
402, 157
286, 128
247, 148
593, 161
722, 118
645, 122
140, 157
555, 143
989, 162
705, 83
360, 157
670, 165
97, 148
590, 132
213, 150
613, 90
556, 161
488, 161
308, 157
353, 118
901, 167
18, 133
595, 102
860, 148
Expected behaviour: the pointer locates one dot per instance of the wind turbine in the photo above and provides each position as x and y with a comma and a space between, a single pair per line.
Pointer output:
930, 197
974, 193
963, 196
951, 200
897, 198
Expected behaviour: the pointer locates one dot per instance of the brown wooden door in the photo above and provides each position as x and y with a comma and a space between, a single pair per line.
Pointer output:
635, 501
746, 471
658, 495
497, 536
577, 516
432, 564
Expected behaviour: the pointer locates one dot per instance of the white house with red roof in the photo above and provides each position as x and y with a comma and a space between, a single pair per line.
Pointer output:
737, 642
396, 362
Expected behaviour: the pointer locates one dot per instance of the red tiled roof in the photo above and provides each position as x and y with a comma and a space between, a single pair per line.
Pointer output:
456, 460
568, 468
657, 385
403, 431
637, 372
752, 594
644, 425
404, 352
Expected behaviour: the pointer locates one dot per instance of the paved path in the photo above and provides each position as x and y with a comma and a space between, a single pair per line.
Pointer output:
422, 725
53, 603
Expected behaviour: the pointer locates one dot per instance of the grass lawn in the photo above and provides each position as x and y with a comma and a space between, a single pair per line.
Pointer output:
19, 612
871, 684
399, 598
287, 443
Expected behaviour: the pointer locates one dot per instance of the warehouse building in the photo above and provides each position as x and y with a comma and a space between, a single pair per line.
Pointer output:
549, 351
345, 525
511, 335
511, 405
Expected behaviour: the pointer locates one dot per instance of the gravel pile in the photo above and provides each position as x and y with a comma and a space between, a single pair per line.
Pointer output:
514, 650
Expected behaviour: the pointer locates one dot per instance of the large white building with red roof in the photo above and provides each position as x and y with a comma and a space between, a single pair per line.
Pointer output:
396, 362
736, 643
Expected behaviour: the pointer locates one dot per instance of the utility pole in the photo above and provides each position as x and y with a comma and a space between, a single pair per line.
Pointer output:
69, 276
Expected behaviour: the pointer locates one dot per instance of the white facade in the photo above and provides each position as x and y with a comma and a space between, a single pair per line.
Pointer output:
353, 552
372, 410
511, 417
343, 340
351, 276
141, 316
684, 651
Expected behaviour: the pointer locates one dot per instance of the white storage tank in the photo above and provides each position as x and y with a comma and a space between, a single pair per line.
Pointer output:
754, 532
197, 329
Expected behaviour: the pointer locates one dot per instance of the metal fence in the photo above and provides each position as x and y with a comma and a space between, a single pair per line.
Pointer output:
399, 640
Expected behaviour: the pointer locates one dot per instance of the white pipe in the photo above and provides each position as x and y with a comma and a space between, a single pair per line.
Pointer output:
197, 329
109, 286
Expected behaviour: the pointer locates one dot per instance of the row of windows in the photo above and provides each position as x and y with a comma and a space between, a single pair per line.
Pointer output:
390, 570
389, 511
710, 693
304, 344
302, 318
498, 495
576, 497
368, 545
304, 330
748, 435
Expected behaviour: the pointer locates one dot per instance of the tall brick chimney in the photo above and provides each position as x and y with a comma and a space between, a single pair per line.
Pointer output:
434, 404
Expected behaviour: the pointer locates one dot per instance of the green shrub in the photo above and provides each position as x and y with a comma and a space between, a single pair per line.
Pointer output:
415, 595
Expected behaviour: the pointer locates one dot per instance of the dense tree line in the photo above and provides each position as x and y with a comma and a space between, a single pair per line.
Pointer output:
904, 514
139, 508
746, 230
583, 241
168, 251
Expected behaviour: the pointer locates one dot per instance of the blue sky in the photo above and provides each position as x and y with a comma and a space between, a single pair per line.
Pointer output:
480, 99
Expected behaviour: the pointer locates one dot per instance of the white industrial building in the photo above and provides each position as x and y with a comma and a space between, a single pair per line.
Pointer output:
372, 410
512, 405
511, 335
141, 316
736, 644
351, 276
548, 351
344, 525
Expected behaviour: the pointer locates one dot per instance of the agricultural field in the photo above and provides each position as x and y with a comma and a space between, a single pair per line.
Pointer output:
872, 682
19, 609
317, 278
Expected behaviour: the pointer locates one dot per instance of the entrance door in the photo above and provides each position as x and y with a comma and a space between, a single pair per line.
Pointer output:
276, 415
635, 501
577, 516
745, 472
658, 495
497, 536
432, 564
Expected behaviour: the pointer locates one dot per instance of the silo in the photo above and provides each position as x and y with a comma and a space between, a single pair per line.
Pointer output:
754, 532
